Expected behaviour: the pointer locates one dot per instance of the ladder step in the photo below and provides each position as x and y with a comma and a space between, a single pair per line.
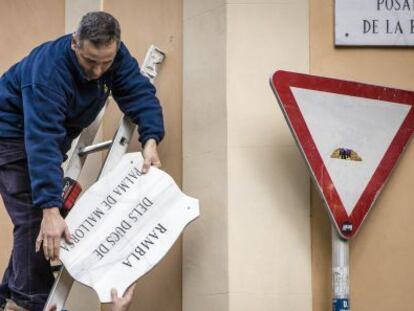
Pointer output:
95, 148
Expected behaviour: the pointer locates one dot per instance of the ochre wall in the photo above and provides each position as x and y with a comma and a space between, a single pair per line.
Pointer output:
205, 168
143, 23
382, 253
268, 211
24, 24
250, 248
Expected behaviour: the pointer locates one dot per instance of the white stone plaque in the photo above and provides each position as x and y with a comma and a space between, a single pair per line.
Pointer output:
123, 226
374, 22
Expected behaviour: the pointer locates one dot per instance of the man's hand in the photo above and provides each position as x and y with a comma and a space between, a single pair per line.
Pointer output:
51, 230
122, 304
150, 155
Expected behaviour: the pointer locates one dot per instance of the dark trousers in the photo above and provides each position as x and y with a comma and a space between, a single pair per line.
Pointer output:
27, 279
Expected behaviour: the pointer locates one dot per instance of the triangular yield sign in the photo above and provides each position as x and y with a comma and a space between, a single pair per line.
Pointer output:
351, 136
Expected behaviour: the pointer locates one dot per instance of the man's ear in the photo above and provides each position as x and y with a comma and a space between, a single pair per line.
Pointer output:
74, 42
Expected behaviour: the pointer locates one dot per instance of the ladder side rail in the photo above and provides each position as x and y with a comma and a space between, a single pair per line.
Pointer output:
75, 162
120, 144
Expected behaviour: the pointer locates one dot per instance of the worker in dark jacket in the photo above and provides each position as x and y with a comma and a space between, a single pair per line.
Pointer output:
45, 101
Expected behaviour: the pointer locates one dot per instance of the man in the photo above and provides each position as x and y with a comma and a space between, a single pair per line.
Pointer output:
45, 101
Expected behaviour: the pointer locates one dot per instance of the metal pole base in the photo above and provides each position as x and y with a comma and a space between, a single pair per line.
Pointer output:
340, 272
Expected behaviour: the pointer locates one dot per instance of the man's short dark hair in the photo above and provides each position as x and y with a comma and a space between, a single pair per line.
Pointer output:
100, 28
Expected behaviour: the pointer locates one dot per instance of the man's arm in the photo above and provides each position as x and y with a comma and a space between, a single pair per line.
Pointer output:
135, 96
44, 132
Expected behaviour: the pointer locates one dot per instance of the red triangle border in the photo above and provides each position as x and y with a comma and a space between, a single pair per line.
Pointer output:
283, 81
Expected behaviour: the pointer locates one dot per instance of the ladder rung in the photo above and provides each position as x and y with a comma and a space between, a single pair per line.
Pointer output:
95, 148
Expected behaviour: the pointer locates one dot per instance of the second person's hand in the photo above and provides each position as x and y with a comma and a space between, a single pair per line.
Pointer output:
122, 303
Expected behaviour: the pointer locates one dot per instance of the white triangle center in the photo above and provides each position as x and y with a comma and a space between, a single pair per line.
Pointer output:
366, 126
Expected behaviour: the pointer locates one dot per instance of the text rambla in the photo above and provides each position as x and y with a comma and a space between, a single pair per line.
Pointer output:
144, 246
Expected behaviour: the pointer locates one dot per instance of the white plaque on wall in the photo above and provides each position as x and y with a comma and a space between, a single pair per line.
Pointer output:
123, 226
374, 22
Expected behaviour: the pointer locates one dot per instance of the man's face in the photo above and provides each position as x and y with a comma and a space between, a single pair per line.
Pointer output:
95, 61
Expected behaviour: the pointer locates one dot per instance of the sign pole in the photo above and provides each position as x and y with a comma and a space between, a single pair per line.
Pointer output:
351, 135
340, 272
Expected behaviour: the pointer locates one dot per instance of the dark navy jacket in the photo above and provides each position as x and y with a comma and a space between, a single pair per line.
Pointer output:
46, 99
